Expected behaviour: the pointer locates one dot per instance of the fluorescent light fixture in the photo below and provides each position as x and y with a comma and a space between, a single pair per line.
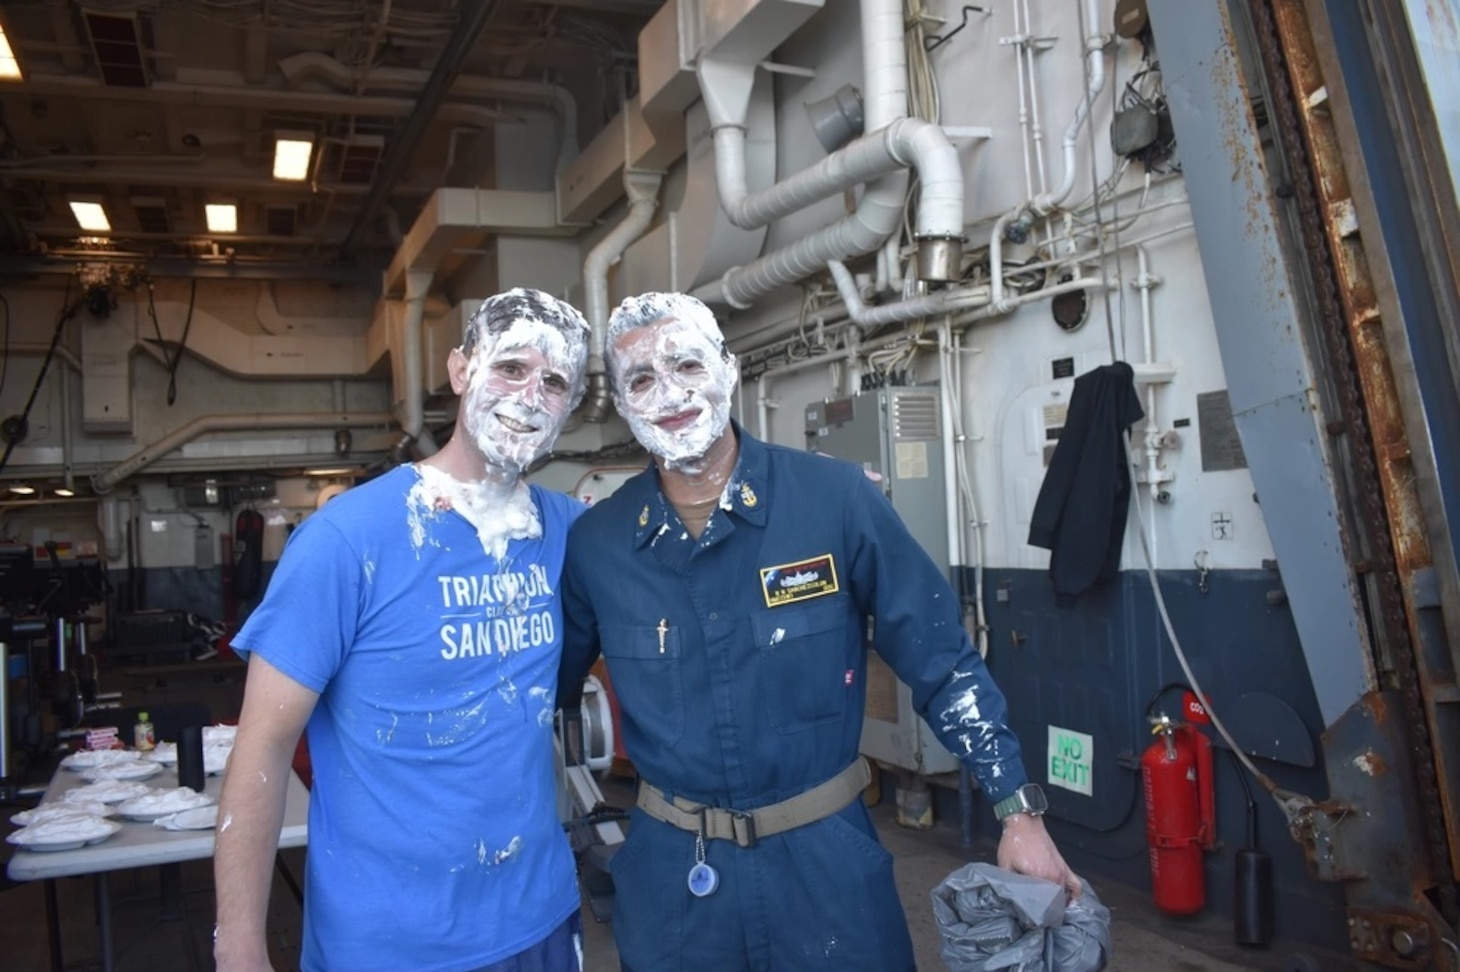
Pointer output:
222, 217
20, 489
291, 155
9, 66
64, 492
90, 215
325, 472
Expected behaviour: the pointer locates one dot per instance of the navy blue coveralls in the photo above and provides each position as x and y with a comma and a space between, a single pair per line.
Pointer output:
755, 694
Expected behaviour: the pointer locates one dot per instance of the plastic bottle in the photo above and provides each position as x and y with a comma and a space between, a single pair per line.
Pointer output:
144, 735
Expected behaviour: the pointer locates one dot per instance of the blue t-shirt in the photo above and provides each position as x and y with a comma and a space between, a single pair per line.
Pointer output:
434, 840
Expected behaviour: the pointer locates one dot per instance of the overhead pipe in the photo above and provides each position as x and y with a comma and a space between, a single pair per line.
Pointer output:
413, 395
215, 96
405, 141
316, 65
905, 141
642, 189
104, 482
931, 305
40, 350
1095, 42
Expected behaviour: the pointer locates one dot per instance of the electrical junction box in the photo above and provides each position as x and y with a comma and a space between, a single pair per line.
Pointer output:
897, 432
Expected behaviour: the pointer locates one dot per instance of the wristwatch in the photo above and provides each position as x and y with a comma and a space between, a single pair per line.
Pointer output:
1029, 799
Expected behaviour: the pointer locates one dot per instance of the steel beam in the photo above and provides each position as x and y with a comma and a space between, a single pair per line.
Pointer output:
404, 142
1261, 335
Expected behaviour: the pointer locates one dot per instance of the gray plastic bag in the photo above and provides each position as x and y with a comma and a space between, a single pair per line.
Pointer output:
993, 920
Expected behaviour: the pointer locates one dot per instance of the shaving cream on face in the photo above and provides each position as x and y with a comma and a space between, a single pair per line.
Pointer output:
673, 386
519, 390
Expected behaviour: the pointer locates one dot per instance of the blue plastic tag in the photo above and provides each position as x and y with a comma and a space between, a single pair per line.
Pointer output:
703, 880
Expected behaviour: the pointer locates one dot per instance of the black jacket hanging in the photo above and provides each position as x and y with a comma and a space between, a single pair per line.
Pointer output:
1080, 514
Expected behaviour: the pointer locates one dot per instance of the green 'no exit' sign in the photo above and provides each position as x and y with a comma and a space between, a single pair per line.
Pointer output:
1070, 757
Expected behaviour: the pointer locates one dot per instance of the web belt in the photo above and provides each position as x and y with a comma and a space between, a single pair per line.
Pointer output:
746, 827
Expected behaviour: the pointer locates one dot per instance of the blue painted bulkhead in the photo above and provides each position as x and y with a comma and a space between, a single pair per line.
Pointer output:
1094, 668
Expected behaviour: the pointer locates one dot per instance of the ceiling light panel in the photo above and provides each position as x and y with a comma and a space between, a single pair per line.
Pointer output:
9, 66
90, 215
222, 217
291, 156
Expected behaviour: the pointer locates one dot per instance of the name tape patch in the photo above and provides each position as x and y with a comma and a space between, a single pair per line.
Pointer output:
800, 581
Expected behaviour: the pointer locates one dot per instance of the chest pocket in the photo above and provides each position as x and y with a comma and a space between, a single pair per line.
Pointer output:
647, 679
803, 663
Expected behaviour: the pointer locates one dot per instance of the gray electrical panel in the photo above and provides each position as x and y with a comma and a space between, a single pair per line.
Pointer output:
898, 433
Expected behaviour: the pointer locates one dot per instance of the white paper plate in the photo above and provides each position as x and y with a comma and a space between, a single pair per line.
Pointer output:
165, 753
105, 791
203, 818
162, 803
51, 811
136, 770
62, 835
85, 759
215, 758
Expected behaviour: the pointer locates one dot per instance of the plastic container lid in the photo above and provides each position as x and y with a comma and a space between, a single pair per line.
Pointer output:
141, 717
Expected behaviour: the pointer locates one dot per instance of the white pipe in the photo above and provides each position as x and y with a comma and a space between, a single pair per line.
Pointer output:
895, 140
105, 481
942, 302
763, 401
940, 216
1008, 304
853, 375
891, 254
1046, 203
1036, 129
39, 350
996, 255
413, 395
905, 142
1144, 282
1019, 41
975, 519
642, 189
952, 508
884, 63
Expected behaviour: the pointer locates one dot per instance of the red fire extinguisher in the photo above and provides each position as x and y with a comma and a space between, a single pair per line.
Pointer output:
1180, 814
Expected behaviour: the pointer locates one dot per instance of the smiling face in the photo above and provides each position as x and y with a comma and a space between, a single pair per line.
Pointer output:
672, 377
518, 384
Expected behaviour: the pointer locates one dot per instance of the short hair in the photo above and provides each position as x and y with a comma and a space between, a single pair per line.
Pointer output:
500, 311
650, 308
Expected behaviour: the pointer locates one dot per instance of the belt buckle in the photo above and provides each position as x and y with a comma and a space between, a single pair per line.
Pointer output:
747, 818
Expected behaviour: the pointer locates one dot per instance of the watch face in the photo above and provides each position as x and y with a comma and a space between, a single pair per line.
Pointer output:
1034, 799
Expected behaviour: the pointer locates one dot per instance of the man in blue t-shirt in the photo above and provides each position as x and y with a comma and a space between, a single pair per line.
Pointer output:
413, 629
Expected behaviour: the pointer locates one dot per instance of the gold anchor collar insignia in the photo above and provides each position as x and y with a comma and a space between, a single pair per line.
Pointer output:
747, 496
